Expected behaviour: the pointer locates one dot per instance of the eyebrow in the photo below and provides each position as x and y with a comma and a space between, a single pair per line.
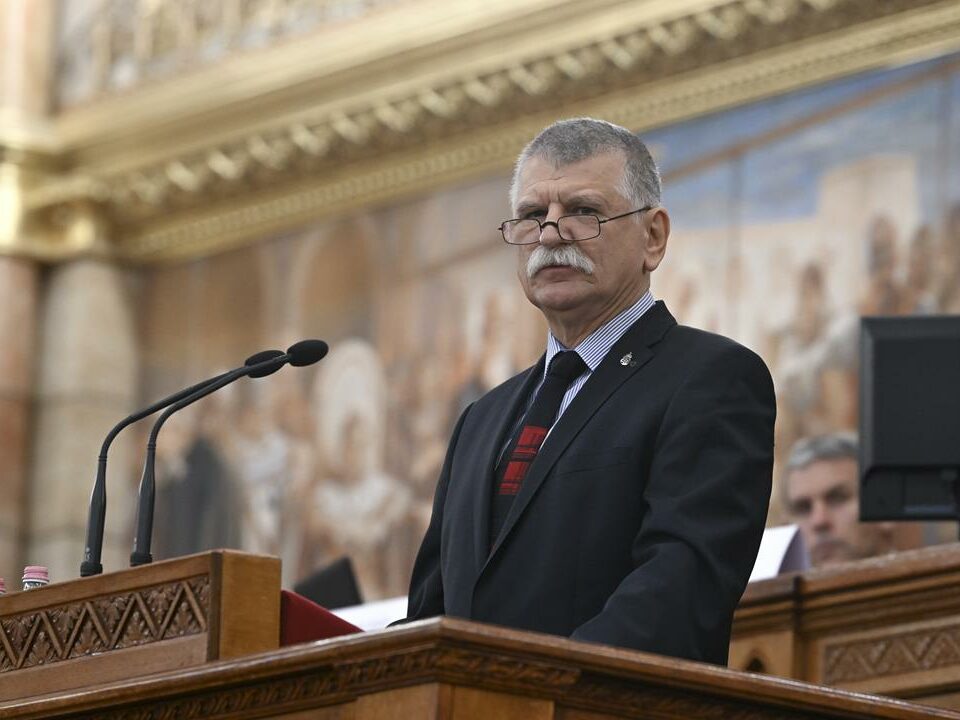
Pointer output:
581, 198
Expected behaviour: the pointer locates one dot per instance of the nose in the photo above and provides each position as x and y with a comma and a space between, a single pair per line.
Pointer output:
820, 519
550, 230
550, 233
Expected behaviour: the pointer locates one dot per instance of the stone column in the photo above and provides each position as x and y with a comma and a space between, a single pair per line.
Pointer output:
24, 64
18, 301
68, 364
86, 382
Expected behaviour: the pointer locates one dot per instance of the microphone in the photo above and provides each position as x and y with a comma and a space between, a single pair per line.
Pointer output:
301, 354
98, 498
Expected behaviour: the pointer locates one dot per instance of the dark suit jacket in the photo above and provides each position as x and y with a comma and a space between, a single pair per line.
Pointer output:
639, 521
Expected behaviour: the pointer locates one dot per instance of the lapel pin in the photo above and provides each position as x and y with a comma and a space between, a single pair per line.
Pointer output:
627, 359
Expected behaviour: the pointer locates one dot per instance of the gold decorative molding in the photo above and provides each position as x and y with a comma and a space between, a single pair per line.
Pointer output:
228, 163
117, 44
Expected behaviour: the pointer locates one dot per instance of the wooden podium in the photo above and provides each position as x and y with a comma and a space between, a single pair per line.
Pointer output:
196, 638
444, 669
169, 615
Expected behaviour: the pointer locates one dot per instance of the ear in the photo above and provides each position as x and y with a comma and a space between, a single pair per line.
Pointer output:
655, 242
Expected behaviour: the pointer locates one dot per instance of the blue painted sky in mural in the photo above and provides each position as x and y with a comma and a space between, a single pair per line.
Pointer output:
780, 176
703, 199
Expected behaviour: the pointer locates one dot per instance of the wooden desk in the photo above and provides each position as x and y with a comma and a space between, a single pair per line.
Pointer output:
888, 625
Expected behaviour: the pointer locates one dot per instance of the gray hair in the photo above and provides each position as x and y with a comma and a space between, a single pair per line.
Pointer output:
569, 141
834, 446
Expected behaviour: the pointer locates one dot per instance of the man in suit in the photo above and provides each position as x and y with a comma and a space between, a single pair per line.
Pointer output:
636, 521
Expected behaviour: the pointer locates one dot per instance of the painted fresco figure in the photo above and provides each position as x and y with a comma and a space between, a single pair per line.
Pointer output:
948, 282
199, 502
884, 293
353, 506
920, 297
636, 522
357, 511
816, 359
263, 465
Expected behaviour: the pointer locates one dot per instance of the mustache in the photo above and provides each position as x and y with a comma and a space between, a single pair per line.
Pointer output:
569, 255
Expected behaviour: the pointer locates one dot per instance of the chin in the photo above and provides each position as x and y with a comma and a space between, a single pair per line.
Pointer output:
557, 302
832, 554
563, 295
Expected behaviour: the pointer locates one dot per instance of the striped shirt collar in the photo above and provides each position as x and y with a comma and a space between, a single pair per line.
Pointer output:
594, 347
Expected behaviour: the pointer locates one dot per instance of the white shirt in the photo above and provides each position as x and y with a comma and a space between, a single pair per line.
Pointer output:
594, 347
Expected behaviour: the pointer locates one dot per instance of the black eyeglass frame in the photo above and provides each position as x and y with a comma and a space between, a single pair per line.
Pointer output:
556, 224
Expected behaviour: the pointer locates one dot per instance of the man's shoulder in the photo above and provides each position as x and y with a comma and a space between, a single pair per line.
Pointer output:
692, 336
705, 347
660, 330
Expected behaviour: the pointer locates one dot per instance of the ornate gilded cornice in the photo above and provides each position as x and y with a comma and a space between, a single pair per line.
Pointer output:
113, 45
201, 164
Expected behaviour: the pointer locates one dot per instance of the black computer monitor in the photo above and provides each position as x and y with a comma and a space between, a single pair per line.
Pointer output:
909, 418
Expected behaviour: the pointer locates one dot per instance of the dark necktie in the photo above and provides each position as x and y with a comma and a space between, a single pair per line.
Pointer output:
565, 367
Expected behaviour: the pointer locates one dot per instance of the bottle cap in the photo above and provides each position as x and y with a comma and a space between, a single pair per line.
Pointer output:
36, 573
3, 586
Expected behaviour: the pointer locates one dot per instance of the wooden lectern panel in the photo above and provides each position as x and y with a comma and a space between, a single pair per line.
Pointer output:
164, 616
444, 669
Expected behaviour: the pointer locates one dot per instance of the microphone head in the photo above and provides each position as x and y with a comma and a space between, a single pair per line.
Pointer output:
307, 352
262, 357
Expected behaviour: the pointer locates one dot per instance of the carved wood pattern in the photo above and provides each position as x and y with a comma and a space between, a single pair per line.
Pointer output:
508, 669
127, 619
894, 654
660, 703
284, 694
341, 682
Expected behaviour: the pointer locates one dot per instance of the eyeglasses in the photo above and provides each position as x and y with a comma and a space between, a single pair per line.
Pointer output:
572, 228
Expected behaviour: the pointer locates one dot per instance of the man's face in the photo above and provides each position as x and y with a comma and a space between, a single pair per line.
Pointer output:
823, 500
617, 256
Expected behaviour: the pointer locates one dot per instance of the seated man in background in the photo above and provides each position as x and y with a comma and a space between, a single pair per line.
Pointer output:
822, 491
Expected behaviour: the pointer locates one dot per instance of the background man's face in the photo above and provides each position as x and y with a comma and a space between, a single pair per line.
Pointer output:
823, 499
591, 185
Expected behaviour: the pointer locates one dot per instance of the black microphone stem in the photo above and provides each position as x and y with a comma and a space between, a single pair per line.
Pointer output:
148, 489
93, 548
142, 541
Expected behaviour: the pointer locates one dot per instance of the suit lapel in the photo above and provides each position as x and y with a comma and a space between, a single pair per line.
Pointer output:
499, 424
627, 356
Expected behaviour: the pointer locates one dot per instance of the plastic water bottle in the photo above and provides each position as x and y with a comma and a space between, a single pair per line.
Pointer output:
35, 576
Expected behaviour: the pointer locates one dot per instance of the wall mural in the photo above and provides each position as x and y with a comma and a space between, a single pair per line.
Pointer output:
791, 218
